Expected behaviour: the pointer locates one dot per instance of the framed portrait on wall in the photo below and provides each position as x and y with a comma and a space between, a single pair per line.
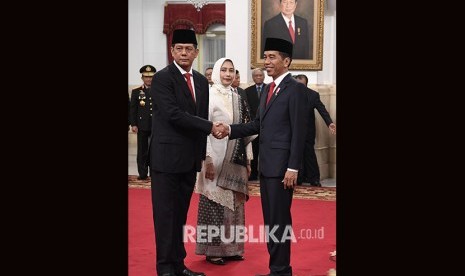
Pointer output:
298, 21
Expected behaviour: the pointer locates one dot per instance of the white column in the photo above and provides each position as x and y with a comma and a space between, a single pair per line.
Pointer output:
238, 36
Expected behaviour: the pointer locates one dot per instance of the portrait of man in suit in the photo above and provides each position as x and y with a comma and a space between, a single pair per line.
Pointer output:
287, 25
301, 22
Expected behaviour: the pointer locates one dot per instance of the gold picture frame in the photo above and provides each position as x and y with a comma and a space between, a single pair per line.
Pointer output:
308, 22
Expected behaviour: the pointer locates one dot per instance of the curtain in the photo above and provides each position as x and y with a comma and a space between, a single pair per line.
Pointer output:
185, 16
214, 49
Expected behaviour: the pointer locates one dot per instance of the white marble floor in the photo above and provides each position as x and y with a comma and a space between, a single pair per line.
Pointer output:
132, 163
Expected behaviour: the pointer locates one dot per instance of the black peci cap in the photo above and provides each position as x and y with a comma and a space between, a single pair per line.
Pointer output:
184, 36
147, 70
278, 44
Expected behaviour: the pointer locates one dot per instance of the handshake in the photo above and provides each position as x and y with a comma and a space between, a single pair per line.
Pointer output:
220, 130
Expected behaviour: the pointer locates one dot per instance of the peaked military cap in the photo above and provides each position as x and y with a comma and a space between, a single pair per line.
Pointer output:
147, 70
278, 44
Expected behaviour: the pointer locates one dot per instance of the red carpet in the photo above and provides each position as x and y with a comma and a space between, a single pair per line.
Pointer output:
309, 257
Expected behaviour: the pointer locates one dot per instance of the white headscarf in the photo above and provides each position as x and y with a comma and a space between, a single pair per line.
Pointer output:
217, 85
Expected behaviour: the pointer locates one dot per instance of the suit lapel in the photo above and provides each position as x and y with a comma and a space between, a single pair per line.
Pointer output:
198, 92
181, 81
278, 92
262, 106
285, 26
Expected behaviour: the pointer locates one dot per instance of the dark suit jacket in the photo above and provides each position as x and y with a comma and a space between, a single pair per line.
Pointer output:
180, 126
277, 27
129, 112
252, 98
241, 93
314, 102
281, 126
140, 115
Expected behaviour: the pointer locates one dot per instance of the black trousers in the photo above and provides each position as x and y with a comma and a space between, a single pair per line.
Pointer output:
171, 196
143, 139
276, 207
254, 163
310, 172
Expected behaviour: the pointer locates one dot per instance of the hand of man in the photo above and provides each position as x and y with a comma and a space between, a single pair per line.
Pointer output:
210, 171
220, 130
332, 128
134, 129
290, 180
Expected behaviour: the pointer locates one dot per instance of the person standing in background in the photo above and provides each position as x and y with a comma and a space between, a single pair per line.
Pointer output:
141, 119
310, 172
208, 75
253, 93
129, 114
235, 86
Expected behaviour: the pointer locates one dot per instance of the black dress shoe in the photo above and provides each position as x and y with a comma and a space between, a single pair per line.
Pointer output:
188, 272
142, 177
218, 261
316, 184
234, 258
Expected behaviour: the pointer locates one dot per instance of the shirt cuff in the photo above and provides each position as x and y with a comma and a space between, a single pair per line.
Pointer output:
292, 170
229, 127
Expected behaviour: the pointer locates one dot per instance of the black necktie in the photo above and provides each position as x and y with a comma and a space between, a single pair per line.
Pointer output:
259, 90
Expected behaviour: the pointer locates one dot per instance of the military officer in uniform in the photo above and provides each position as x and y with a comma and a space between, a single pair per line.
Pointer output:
141, 119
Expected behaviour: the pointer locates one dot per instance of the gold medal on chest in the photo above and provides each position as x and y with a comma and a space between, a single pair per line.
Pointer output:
142, 98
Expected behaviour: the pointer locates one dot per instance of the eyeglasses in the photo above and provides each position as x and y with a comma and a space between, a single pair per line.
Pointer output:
188, 49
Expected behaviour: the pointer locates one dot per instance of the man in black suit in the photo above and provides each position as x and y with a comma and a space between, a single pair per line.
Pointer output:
235, 86
288, 26
310, 172
253, 93
282, 125
178, 146
208, 75
129, 114
141, 119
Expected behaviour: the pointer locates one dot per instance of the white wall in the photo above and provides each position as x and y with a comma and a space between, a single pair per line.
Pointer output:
135, 43
238, 36
147, 42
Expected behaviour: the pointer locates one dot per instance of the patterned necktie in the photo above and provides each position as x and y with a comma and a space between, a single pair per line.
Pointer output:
270, 92
259, 89
188, 79
291, 31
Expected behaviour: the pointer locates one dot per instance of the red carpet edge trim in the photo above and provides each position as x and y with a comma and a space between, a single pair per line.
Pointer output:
302, 192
